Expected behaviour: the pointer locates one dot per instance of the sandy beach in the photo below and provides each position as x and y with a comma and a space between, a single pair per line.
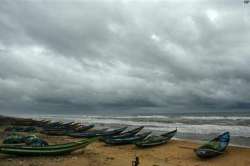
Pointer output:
98, 154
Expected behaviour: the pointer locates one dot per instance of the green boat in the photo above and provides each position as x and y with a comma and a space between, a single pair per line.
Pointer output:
152, 141
56, 146
56, 132
214, 147
156, 140
47, 150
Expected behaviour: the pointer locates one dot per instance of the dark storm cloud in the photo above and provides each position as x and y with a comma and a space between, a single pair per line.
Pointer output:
77, 55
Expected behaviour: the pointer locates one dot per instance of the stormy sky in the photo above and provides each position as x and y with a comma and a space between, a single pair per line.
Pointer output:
65, 56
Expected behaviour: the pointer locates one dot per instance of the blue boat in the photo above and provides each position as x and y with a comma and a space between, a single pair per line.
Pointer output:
215, 147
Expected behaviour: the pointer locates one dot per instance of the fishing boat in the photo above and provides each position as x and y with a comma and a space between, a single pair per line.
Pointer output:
52, 125
91, 133
60, 125
156, 140
42, 123
20, 129
128, 140
170, 134
55, 132
84, 127
47, 150
66, 131
214, 147
96, 133
126, 134
48, 147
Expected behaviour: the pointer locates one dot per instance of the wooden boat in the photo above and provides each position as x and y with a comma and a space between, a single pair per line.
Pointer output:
214, 147
42, 123
49, 147
65, 131
66, 126
126, 134
170, 134
44, 151
21, 129
86, 134
129, 140
14, 139
84, 127
96, 133
156, 140
52, 125
55, 132
70, 125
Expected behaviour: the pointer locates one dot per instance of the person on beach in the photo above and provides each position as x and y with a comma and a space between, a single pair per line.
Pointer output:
136, 161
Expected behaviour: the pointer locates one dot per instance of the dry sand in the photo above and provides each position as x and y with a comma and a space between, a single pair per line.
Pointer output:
98, 154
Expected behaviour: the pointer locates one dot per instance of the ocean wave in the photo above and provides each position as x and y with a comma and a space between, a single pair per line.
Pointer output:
185, 124
171, 117
235, 130
215, 117
143, 117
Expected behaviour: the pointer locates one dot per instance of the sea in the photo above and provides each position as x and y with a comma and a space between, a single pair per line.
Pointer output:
195, 126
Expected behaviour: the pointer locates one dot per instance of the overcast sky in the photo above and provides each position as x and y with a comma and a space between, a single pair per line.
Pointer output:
62, 56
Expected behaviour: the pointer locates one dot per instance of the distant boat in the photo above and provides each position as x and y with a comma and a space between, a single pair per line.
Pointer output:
214, 147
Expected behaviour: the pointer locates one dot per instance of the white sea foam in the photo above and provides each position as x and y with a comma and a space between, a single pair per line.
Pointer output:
216, 117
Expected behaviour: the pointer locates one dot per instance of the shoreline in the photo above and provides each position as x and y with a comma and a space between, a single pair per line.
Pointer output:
237, 141
177, 152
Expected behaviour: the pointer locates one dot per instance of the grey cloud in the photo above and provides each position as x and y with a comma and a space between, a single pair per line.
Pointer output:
83, 55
